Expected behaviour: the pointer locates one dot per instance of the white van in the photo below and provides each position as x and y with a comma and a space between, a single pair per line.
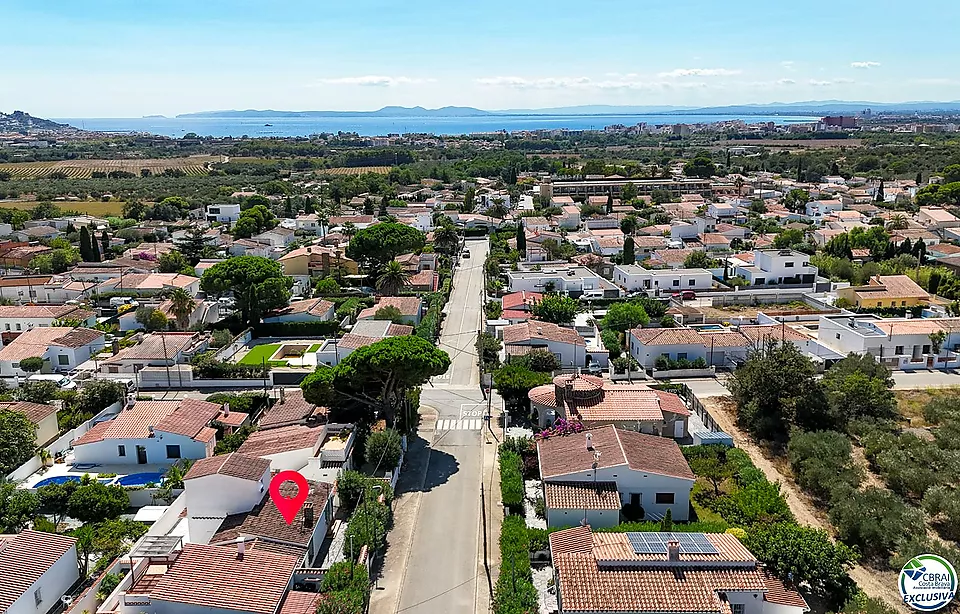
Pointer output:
64, 382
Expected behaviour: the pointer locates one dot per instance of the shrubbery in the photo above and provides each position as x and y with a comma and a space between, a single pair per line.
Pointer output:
511, 480
822, 461
345, 587
514, 592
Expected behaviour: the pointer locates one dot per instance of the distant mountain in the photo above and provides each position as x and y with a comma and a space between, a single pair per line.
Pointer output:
596, 109
384, 112
823, 107
19, 121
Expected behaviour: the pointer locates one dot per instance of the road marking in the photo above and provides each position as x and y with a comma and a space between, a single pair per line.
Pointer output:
459, 425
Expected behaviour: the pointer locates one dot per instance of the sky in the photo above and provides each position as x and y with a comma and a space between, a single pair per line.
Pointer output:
129, 58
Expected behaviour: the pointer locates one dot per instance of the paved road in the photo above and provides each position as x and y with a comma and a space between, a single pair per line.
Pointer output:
436, 547
907, 380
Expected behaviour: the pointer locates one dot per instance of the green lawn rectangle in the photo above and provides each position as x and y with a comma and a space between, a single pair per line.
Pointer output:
315, 347
260, 353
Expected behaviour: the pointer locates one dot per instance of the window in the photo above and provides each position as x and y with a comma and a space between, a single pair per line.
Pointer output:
8, 327
692, 282
63, 359
681, 355
926, 349
898, 350
676, 282
18, 326
738, 608
121, 450
15, 365
665, 498
903, 303
789, 265
37, 597
173, 451
838, 335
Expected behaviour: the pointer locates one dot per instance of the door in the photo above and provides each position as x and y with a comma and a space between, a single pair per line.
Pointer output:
678, 429
141, 455
635, 499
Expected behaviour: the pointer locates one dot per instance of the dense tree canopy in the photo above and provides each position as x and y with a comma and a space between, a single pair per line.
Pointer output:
378, 375
624, 316
258, 284
378, 244
556, 308
17, 440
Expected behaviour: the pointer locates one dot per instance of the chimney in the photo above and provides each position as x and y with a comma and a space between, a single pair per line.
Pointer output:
226, 409
673, 551
589, 441
241, 548
115, 347
540, 330
308, 515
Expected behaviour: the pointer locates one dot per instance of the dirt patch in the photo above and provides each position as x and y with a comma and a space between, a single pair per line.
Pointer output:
877, 584
911, 402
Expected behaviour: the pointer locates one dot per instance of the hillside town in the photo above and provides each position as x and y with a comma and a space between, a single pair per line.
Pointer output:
583, 385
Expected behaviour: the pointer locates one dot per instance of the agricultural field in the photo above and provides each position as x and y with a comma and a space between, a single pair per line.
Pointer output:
84, 207
84, 169
355, 170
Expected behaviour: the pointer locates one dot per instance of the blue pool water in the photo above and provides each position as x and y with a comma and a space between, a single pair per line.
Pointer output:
707, 327
140, 479
60, 479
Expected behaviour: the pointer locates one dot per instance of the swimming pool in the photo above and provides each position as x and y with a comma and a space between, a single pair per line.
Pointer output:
60, 479
140, 479
710, 327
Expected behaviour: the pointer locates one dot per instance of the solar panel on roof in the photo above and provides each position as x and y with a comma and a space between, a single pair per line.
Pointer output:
656, 543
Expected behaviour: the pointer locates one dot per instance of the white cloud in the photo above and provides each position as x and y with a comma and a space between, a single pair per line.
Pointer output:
864, 64
612, 81
786, 82
829, 82
787, 63
539, 83
699, 72
375, 81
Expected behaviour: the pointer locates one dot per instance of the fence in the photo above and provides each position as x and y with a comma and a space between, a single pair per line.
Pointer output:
238, 343
693, 402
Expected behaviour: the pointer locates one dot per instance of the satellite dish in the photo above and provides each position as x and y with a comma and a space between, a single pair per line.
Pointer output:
66, 600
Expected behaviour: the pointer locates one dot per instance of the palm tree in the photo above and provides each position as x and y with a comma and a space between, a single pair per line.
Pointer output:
445, 238
738, 184
182, 307
393, 277
498, 209
898, 221
348, 230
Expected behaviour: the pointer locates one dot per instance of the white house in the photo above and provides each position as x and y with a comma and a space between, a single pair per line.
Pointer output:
309, 223
152, 432
898, 343
217, 486
17, 318
61, 347
722, 211
150, 284
41, 289
44, 417
36, 569
155, 350
774, 267
276, 237
307, 310
651, 573
225, 214
644, 471
410, 307
573, 281
646, 345
632, 278
569, 217
816, 210
564, 343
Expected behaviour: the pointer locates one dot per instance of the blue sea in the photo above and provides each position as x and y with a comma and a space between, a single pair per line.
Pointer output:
377, 125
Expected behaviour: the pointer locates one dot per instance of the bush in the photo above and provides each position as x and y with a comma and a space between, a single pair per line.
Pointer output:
32, 364
350, 486
346, 587
245, 402
873, 520
367, 527
511, 480
220, 338
655, 526
206, 367
384, 449
822, 461
611, 341
514, 592
297, 329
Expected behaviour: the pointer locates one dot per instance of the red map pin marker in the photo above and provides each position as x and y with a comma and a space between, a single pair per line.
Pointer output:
289, 506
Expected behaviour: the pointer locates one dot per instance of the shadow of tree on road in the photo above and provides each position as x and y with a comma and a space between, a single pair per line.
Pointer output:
423, 468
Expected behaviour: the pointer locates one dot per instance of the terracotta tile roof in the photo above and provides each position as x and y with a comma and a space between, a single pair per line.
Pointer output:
234, 465
188, 417
536, 330
408, 306
399, 330
157, 346
725, 339
353, 341
600, 572
282, 439
576, 539
760, 333
616, 402
647, 453
666, 336
214, 577
24, 558
17, 281
649, 241
781, 595
234, 418
44, 311
582, 495
521, 300
35, 412
313, 306
265, 520
206, 434
890, 286
671, 403
291, 410
36, 341
710, 238
673, 256
299, 602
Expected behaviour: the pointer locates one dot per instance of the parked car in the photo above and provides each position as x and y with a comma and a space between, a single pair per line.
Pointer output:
62, 381
686, 295
594, 369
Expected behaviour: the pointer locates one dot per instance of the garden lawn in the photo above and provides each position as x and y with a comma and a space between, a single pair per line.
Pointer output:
260, 353
315, 347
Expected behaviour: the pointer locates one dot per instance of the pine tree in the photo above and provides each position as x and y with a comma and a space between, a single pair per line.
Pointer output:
367, 206
383, 207
906, 247
835, 169
610, 202
666, 525
85, 252
880, 197
628, 255
104, 243
522, 242
800, 169
728, 159
919, 178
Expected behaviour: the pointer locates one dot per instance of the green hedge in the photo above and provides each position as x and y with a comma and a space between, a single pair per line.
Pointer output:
297, 329
515, 593
511, 479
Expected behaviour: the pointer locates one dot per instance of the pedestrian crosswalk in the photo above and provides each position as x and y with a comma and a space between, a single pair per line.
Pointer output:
459, 425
